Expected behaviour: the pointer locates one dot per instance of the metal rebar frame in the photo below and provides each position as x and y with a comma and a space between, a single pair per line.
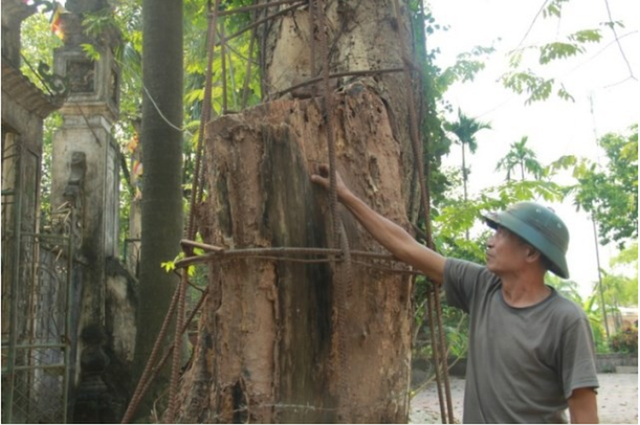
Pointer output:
340, 255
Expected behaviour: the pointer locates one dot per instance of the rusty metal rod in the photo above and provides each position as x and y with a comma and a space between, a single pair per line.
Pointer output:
138, 393
191, 231
435, 353
260, 21
343, 271
358, 73
153, 374
415, 140
256, 7
204, 246
254, 252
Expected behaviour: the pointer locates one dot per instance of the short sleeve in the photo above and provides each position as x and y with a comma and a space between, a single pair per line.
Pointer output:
578, 358
461, 279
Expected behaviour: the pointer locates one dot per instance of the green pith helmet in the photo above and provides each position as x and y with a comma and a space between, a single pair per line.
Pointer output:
540, 227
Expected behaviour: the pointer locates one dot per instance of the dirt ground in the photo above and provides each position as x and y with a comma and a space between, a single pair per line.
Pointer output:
617, 400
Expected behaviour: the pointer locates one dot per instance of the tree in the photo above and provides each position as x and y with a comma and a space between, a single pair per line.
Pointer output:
287, 341
161, 139
522, 157
610, 192
620, 283
466, 128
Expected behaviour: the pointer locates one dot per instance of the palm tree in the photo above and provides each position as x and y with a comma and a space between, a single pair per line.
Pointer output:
466, 128
161, 140
522, 157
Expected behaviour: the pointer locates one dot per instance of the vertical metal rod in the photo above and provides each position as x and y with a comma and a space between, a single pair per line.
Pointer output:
312, 40
138, 393
247, 75
67, 328
206, 114
167, 354
443, 354
175, 370
415, 140
15, 276
434, 352
223, 56
339, 239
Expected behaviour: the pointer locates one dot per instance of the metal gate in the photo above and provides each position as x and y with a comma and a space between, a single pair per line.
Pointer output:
36, 276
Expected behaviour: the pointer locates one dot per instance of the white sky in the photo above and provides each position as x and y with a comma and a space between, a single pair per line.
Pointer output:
554, 127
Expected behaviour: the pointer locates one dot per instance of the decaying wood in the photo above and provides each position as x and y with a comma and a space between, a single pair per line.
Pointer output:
268, 348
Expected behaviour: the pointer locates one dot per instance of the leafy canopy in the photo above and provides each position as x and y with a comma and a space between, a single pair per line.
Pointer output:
610, 191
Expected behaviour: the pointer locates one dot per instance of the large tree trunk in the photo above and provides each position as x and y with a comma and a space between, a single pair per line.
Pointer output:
161, 139
281, 341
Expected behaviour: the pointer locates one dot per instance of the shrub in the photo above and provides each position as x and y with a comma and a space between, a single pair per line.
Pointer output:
625, 341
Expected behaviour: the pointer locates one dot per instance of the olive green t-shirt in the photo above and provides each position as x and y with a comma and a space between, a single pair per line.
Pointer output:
523, 363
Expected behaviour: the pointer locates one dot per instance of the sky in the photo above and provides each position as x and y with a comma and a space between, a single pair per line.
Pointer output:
606, 98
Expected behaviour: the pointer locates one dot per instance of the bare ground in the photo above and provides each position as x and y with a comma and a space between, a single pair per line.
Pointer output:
617, 400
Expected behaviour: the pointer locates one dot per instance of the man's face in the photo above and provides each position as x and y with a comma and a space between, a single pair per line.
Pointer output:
506, 252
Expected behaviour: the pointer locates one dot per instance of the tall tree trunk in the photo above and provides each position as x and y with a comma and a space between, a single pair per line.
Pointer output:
282, 341
161, 140
464, 181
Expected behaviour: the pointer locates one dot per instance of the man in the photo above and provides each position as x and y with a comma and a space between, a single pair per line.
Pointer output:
531, 351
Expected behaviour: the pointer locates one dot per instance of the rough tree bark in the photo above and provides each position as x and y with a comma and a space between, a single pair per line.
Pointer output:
280, 341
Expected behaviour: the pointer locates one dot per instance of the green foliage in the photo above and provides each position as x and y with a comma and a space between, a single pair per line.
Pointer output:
625, 341
627, 256
529, 81
565, 287
621, 282
574, 46
465, 69
38, 44
594, 314
554, 8
536, 87
456, 329
520, 156
610, 192
435, 82
466, 128
558, 50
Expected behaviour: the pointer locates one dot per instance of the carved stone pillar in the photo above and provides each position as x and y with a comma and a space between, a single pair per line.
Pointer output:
85, 171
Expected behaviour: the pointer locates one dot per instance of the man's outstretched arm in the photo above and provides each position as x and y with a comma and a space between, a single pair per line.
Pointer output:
393, 237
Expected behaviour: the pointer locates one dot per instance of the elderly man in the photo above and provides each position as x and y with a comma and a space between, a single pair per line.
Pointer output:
531, 352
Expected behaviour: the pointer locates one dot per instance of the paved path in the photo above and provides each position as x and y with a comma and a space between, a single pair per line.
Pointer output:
617, 400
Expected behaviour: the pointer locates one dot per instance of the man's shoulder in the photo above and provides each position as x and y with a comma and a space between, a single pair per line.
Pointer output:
567, 310
471, 275
457, 264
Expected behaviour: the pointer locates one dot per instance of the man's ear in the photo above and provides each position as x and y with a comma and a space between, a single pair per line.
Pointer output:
533, 254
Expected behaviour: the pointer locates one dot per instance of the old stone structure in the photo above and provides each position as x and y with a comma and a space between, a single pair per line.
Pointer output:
85, 174
34, 272
80, 317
